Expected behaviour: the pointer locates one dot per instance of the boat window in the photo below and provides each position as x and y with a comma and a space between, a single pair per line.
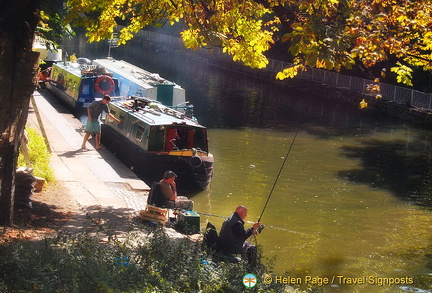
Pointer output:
156, 139
139, 134
86, 88
183, 139
121, 124
200, 141
179, 138
172, 139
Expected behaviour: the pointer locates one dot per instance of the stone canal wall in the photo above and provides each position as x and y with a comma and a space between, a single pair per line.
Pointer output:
407, 104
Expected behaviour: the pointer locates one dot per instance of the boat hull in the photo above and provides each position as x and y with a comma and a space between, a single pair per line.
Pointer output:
193, 173
65, 98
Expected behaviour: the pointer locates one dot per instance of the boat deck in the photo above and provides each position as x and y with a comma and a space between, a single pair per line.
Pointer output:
155, 117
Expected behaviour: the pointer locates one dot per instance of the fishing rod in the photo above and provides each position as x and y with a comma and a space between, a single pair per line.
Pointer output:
280, 171
271, 191
250, 222
314, 234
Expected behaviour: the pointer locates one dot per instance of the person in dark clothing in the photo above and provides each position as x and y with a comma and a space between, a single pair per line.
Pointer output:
233, 236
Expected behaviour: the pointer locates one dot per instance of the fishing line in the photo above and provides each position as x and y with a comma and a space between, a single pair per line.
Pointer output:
211, 215
284, 229
314, 234
280, 171
250, 222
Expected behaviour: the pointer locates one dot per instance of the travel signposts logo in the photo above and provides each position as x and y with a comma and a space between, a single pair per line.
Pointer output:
250, 280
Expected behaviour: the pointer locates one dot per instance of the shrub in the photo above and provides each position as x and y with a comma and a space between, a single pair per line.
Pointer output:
149, 263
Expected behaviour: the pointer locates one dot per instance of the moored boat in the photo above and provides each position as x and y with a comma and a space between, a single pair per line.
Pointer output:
153, 138
135, 81
80, 83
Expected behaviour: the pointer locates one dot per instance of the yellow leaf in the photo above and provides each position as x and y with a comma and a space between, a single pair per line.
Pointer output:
363, 104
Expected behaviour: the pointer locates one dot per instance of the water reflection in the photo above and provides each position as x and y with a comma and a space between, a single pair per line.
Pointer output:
401, 166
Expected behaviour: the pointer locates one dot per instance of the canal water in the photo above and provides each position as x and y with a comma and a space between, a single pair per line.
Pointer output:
353, 200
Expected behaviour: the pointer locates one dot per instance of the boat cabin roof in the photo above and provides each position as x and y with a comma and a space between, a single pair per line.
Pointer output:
137, 75
70, 67
155, 114
80, 70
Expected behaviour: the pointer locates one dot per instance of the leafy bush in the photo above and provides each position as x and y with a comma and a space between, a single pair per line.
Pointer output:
142, 263
39, 156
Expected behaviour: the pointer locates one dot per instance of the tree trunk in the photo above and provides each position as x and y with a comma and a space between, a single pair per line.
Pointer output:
18, 77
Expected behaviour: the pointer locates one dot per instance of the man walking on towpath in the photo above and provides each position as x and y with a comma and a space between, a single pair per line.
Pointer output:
93, 125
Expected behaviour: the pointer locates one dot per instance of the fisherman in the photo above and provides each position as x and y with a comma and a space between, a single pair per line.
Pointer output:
93, 124
233, 236
169, 192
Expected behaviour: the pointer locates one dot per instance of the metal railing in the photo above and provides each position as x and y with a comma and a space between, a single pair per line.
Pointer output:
396, 94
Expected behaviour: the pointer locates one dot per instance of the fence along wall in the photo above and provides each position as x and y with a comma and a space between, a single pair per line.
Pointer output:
396, 94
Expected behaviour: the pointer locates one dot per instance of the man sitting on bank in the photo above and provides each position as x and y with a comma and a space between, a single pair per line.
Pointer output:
169, 193
233, 236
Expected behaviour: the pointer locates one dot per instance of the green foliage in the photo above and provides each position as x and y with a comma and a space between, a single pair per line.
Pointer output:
51, 27
403, 73
142, 263
329, 34
236, 26
39, 156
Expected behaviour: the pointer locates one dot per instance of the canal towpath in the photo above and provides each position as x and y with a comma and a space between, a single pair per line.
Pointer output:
104, 190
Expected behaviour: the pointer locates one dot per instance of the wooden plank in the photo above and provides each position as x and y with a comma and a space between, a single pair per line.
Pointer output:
154, 214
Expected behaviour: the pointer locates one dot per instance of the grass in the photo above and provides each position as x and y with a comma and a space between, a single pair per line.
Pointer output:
39, 156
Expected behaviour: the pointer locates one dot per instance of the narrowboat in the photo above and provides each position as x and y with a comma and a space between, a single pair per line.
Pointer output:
152, 138
79, 83
135, 81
